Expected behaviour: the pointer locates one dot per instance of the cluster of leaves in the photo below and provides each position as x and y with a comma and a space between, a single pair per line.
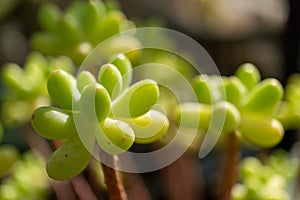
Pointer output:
267, 180
82, 26
243, 104
107, 110
26, 86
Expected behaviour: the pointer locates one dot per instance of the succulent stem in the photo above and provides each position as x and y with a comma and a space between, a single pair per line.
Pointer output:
113, 181
229, 170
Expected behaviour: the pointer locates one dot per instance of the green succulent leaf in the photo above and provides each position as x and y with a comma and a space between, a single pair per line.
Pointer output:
194, 115
149, 127
67, 28
235, 90
264, 97
92, 12
110, 77
260, 130
13, 75
53, 123
125, 67
62, 88
95, 99
115, 137
201, 87
136, 100
288, 115
47, 42
248, 75
84, 79
225, 117
68, 160
48, 16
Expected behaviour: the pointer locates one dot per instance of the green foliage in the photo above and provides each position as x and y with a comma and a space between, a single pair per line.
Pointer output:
264, 97
102, 104
8, 155
149, 127
265, 180
248, 75
239, 104
26, 87
110, 77
288, 112
75, 31
27, 180
136, 100
68, 160
117, 136
53, 123
124, 66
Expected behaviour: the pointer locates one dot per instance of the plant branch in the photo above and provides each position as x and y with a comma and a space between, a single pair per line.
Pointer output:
229, 170
113, 181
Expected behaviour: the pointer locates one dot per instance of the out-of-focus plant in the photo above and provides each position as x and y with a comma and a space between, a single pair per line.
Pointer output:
27, 180
267, 179
232, 108
8, 155
289, 110
25, 88
241, 101
82, 26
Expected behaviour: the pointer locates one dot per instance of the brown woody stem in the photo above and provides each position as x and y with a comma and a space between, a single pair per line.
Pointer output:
229, 170
113, 181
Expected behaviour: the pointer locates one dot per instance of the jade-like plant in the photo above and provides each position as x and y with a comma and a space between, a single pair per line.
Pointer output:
107, 109
75, 31
231, 108
246, 103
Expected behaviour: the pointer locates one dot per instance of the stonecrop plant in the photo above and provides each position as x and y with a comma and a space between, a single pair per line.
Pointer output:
107, 110
242, 104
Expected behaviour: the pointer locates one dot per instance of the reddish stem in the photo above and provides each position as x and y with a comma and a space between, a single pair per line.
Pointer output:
229, 170
113, 181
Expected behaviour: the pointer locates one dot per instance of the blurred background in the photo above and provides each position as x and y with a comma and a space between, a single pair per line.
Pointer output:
232, 31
